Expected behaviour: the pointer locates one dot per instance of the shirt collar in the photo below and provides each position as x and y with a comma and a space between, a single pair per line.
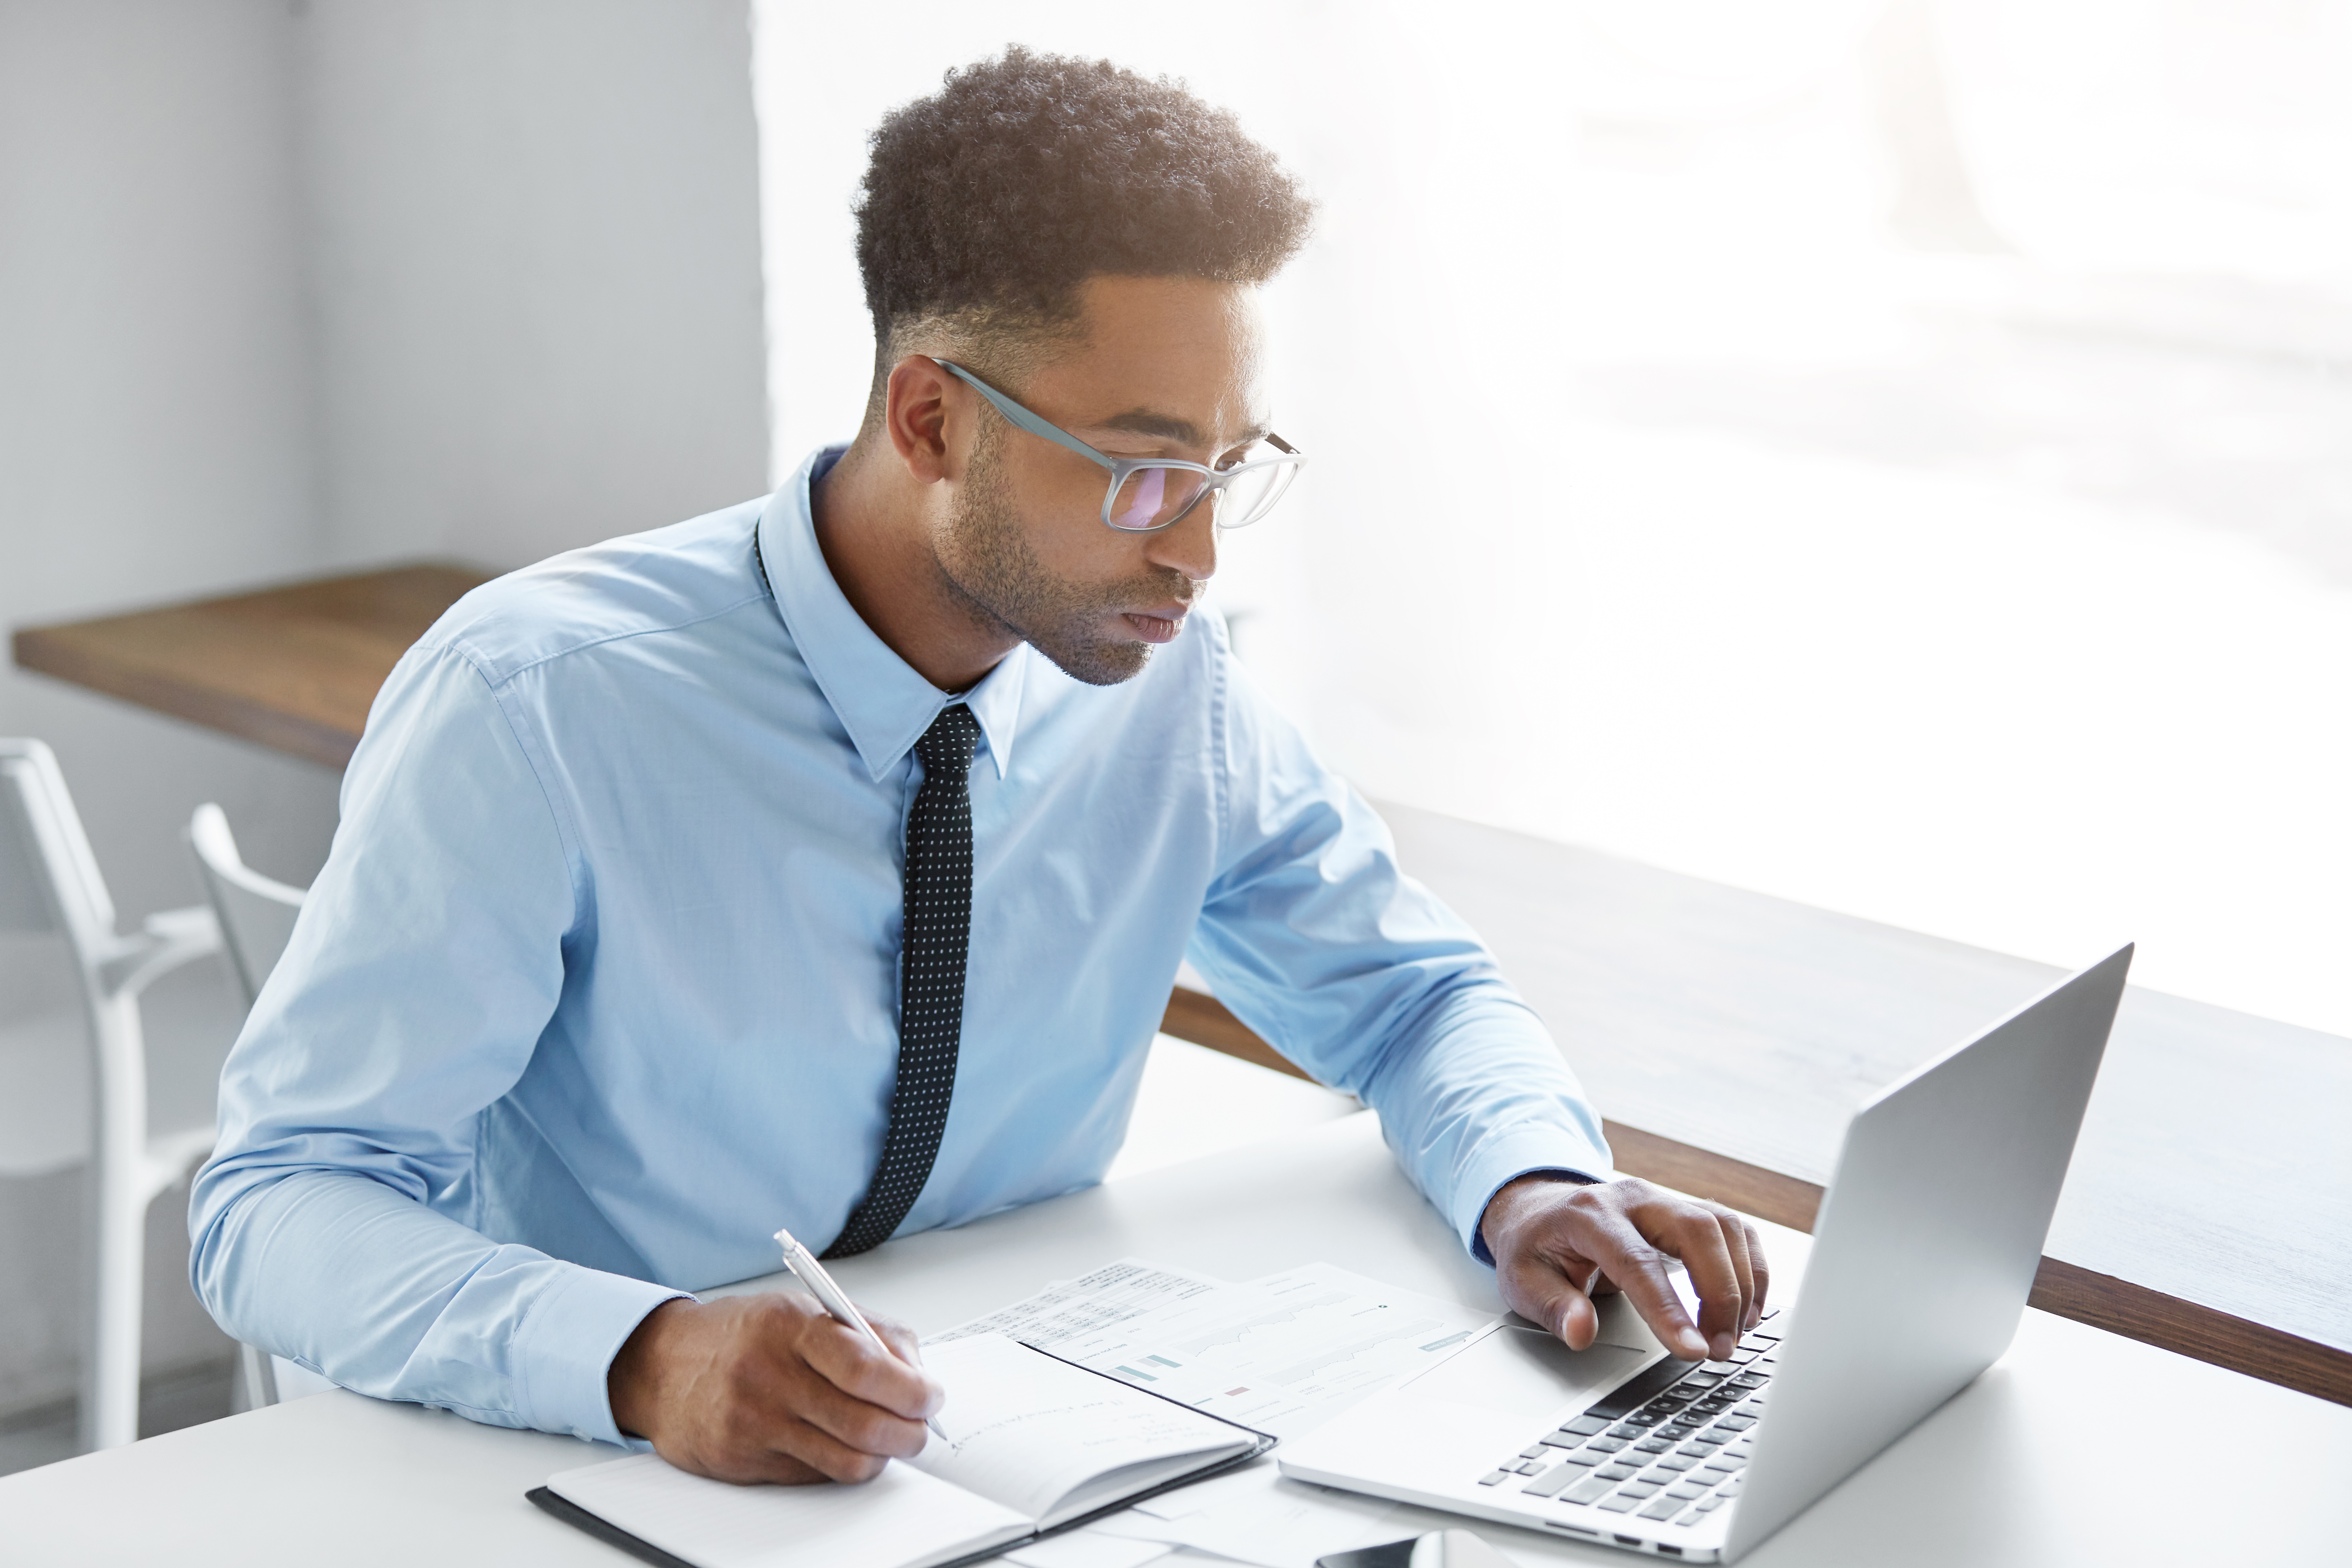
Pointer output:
881, 700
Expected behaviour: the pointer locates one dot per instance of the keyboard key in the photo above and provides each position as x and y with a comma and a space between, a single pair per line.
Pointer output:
1653, 1445
1589, 1489
1709, 1505
1620, 1503
1629, 1430
1742, 1356
1584, 1457
1747, 1380
1495, 1479
1735, 1422
1723, 1465
1607, 1445
1693, 1517
1585, 1426
1535, 1451
1550, 1483
1700, 1380
1561, 1439
1615, 1472
1637, 1489
1758, 1339
1686, 1491
1663, 1508
1696, 1450
1677, 1461
1730, 1491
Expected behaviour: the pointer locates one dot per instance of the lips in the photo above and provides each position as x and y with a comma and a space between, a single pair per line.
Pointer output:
1157, 628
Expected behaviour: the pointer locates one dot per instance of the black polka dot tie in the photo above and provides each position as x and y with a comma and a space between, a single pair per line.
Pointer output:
935, 936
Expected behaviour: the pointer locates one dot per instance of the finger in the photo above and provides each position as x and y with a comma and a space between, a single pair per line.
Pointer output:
1639, 1269
744, 1466
851, 1363
857, 1423
1538, 1289
811, 1446
1735, 1241
898, 1337
1761, 1268
1694, 1234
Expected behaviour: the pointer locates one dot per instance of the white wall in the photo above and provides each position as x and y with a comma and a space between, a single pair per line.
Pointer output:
535, 245
286, 288
155, 442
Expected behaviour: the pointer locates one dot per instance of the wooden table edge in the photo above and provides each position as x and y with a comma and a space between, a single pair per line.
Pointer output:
45, 651
2064, 1290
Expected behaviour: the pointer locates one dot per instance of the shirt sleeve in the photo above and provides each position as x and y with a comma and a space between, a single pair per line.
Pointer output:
1316, 940
328, 1225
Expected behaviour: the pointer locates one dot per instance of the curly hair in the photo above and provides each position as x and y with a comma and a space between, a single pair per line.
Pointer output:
987, 204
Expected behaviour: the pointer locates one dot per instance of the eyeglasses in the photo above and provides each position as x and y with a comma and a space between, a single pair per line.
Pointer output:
1149, 494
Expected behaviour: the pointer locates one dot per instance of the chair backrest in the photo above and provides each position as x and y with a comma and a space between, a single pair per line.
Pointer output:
256, 913
49, 877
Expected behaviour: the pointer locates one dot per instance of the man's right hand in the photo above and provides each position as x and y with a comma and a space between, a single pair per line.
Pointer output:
769, 1388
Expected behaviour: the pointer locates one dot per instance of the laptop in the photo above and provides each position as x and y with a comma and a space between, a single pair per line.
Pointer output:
1925, 1246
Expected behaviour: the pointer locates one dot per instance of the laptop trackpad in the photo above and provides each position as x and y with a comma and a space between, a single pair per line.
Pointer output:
1527, 1372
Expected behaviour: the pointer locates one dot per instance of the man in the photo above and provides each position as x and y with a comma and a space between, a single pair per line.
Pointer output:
823, 862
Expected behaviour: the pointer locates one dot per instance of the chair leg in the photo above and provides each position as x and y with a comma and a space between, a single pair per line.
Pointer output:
110, 1405
110, 1408
260, 1377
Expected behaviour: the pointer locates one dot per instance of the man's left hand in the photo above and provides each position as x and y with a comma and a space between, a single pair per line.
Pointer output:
1557, 1242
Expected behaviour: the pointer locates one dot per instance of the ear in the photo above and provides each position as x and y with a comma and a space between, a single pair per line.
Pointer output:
923, 412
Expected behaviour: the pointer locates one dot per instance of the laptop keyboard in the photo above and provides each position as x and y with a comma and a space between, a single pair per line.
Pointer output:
1668, 1445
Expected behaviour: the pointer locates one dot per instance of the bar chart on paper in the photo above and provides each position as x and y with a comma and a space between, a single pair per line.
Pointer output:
1282, 1353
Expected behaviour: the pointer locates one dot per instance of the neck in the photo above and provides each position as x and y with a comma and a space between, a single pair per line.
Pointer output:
874, 526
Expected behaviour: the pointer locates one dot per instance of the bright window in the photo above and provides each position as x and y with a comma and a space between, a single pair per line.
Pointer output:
1895, 457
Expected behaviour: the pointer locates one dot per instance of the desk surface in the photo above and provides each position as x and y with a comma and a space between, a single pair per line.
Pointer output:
2208, 1208
1725, 1034
293, 667
2023, 1469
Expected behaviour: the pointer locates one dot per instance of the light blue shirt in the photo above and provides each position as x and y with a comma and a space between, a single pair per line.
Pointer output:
599, 984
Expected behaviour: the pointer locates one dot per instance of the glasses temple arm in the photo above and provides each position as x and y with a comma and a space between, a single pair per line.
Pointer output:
1022, 417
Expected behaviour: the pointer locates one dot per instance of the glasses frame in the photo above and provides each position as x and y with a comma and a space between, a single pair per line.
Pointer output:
1123, 468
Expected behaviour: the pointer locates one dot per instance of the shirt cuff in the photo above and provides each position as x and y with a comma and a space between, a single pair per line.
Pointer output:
565, 1349
1515, 1155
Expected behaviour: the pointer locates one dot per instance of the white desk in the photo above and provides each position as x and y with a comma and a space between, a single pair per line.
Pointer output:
2029, 1466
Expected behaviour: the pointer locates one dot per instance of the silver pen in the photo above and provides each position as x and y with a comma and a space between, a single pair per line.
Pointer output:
803, 1263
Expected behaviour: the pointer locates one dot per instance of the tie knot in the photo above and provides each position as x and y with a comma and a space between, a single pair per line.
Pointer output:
946, 747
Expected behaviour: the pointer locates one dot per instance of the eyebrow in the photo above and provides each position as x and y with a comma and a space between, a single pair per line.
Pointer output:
1168, 427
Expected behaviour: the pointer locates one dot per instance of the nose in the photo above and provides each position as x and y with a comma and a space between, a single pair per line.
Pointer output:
1190, 544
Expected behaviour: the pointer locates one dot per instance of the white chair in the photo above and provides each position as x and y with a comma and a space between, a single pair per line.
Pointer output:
50, 883
256, 914
257, 920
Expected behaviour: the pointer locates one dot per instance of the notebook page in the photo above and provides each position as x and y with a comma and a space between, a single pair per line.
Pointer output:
901, 1519
1026, 1430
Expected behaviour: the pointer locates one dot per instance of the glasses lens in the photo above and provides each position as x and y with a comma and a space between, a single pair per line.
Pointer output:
1154, 498
1252, 495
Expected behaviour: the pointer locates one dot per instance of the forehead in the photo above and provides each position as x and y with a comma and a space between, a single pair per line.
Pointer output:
1182, 346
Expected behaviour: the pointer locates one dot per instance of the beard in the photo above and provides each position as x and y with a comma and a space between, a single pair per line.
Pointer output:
987, 560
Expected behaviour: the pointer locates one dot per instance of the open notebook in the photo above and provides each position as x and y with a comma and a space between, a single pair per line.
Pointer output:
1034, 1445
